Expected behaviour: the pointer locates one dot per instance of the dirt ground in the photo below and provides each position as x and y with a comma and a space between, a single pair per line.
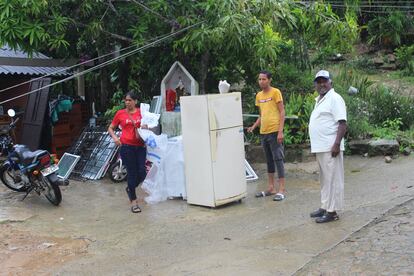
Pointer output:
23, 253
94, 233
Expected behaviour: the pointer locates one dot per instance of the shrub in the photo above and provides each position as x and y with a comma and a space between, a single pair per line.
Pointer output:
358, 118
291, 80
116, 103
405, 58
385, 104
406, 138
349, 76
388, 130
296, 130
389, 30
363, 63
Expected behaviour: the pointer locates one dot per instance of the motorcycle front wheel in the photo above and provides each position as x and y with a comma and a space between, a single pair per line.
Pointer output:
52, 190
11, 178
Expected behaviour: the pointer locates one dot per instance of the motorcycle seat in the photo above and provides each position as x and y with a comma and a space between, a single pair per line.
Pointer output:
26, 155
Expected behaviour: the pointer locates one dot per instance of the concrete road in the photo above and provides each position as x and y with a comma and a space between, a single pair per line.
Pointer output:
94, 233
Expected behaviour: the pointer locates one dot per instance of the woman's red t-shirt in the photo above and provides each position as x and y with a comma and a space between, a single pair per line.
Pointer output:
128, 135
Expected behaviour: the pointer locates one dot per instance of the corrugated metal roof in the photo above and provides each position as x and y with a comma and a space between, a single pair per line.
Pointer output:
28, 70
6, 51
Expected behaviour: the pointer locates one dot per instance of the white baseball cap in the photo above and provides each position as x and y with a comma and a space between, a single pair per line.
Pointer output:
322, 74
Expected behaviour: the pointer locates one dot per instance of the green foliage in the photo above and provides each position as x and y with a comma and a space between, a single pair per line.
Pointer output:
393, 124
296, 130
235, 40
405, 58
386, 104
322, 55
362, 64
389, 30
117, 103
291, 80
406, 138
24, 25
389, 129
249, 99
348, 76
375, 111
358, 123
269, 46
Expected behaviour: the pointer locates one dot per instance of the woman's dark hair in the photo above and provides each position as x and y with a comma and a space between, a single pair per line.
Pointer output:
267, 73
132, 95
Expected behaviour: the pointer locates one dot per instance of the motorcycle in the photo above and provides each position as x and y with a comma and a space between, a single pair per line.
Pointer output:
27, 171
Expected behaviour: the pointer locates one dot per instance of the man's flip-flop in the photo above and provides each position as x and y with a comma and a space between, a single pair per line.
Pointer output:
279, 197
264, 194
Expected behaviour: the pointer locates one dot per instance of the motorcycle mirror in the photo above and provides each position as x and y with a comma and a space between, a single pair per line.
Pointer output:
11, 113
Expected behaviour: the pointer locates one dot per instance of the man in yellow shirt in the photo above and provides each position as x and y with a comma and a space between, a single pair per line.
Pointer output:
271, 121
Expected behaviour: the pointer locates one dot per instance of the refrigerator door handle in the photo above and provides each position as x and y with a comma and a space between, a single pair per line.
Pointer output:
212, 118
213, 141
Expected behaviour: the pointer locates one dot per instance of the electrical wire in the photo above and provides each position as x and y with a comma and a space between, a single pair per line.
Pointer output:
149, 45
91, 60
153, 11
76, 65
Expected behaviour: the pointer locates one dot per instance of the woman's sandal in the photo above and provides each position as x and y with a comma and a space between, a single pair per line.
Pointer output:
264, 194
279, 197
135, 209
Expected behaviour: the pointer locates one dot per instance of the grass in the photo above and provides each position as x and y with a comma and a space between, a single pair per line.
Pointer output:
398, 75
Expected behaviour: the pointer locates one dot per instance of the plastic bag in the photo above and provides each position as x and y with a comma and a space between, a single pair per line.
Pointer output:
156, 145
223, 86
148, 118
154, 185
174, 175
167, 179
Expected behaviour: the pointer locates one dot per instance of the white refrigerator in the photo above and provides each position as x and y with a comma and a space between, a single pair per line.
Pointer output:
213, 142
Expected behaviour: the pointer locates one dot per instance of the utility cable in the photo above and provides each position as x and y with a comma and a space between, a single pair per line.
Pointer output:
154, 12
107, 62
76, 65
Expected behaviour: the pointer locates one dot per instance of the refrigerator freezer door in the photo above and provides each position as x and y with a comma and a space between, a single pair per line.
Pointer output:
228, 167
197, 153
225, 110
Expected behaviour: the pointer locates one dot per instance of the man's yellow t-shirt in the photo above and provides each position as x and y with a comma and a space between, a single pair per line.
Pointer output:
269, 111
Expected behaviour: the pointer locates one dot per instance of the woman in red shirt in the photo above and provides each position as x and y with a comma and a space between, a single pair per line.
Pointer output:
133, 151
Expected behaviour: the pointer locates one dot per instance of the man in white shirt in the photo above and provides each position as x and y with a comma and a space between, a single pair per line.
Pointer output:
327, 128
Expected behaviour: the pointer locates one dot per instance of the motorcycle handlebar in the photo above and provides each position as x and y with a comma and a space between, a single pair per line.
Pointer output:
13, 123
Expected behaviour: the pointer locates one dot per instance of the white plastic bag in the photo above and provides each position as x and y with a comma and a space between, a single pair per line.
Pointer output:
156, 145
173, 165
223, 86
148, 118
154, 185
167, 179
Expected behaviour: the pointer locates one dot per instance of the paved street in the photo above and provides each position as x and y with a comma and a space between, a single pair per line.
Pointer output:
94, 233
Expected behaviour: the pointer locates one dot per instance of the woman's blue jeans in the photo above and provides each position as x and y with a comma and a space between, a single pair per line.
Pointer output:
134, 158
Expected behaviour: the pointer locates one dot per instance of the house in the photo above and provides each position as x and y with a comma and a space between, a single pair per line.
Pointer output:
19, 75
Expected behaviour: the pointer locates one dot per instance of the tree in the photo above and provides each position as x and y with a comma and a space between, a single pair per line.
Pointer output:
26, 25
233, 39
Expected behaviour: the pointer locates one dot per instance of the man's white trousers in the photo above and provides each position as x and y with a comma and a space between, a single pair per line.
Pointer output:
332, 180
